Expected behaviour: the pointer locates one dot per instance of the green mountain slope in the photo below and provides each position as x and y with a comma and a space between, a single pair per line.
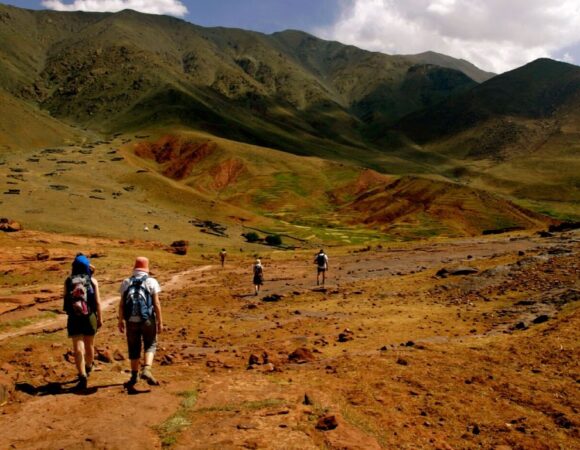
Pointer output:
289, 90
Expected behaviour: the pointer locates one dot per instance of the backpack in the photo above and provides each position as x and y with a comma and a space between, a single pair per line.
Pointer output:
258, 270
78, 295
321, 260
137, 300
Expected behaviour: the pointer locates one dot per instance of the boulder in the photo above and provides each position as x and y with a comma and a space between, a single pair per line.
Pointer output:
9, 226
327, 423
301, 356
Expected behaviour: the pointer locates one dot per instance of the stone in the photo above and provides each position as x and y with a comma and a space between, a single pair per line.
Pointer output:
253, 360
301, 356
9, 226
541, 319
118, 356
327, 423
104, 355
273, 298
346, 335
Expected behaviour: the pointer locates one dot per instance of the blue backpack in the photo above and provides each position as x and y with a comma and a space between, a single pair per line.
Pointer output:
137, 300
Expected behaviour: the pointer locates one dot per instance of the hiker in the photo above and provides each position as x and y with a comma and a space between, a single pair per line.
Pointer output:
321, 261
82, 304
140, 317
223, 255
258, 276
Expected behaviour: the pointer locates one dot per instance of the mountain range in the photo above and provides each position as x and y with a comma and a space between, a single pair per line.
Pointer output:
72, 77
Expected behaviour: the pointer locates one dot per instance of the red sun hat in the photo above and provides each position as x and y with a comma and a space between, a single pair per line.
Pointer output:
142, 264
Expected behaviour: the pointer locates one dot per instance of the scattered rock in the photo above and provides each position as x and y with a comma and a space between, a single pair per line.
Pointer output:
246, 426
9, 226
253, 360
346, 335
104, 355
327, 423
307, 400
545, 234
273, 298
402, 362
541, 319
301, 356
118, 356
42, 256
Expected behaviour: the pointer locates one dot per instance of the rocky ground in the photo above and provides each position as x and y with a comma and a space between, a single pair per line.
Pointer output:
453, 344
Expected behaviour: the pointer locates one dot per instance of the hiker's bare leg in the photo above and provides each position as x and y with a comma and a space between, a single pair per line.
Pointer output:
79, 351
323, 277
89, 342
149, 358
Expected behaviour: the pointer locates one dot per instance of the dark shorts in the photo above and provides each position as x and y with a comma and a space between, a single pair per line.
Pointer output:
141, 332
82, 325
258, 280
321, 269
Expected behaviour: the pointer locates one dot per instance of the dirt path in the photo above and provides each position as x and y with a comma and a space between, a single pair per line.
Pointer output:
53, 324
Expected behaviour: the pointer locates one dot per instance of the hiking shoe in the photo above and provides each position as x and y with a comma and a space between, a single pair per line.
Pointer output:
82, 383
148, 376
132, 381
89, 369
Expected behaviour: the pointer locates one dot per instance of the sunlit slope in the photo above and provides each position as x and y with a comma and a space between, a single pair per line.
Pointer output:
23, 126
310, 191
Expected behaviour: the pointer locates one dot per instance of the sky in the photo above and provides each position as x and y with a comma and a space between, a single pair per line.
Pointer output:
495, 35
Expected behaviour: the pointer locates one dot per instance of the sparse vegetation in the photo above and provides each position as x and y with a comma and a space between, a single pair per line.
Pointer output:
170, 429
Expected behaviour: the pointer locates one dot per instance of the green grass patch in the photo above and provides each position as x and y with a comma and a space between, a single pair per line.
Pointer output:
170, 429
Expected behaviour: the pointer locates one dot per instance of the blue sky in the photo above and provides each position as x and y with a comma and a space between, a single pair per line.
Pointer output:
266, 16
496, 35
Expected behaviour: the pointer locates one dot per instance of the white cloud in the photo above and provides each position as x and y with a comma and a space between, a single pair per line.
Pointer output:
171, 7
496, 35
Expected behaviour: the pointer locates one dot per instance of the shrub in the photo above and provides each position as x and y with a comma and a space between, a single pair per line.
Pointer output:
252, 236
274, 239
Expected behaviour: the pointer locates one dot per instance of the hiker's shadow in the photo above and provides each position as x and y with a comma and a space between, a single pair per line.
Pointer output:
61, 387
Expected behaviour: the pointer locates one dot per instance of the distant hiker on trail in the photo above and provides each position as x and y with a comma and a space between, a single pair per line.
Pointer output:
223, 255
140, 317
321, 261
82, 304
258, 276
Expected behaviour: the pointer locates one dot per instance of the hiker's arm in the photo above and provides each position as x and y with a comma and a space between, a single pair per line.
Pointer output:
158, 316
98, 303
121, 321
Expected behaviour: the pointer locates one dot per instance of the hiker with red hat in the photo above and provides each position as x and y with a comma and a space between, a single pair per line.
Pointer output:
140, 318
82, 304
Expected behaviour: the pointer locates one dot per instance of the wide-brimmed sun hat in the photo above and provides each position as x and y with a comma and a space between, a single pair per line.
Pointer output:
142, 264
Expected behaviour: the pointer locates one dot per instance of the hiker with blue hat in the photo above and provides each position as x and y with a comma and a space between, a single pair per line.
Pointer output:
82, 304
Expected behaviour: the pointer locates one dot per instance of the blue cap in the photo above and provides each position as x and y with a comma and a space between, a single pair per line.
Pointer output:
81, 265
